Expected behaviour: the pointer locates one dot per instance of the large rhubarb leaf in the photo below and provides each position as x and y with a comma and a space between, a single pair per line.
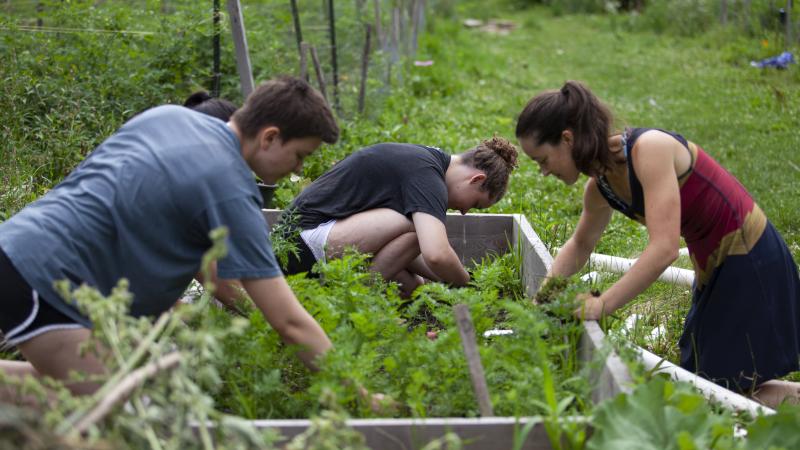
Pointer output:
660, 415
780, 431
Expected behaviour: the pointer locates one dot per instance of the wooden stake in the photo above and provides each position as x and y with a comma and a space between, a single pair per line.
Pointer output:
467, 332
378, 28
334, 63
215, 78
416, 5
318, 70
723, 12
394, 44
304, 61
789, 40
298, 33
364, 69
240, 43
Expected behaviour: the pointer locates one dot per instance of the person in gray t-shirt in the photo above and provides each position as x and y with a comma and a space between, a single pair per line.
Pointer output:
141, 207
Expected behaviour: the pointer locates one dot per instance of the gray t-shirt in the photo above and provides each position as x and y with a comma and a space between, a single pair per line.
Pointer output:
141, 207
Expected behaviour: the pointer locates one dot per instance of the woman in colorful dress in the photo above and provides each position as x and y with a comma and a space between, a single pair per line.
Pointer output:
743, 328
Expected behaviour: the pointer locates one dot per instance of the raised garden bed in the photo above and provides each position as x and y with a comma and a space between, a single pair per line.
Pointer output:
473, 237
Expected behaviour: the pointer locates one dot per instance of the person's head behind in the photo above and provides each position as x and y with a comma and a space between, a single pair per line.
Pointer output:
567, 124
285, 119
203, 102
490, 165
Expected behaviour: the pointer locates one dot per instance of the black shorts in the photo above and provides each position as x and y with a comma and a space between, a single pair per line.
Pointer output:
23, 313
303, 262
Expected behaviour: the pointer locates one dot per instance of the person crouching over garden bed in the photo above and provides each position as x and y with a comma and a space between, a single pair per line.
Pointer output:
390, 200
743, 328
141, 207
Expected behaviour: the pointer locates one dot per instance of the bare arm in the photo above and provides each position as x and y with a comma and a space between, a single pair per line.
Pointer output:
653, 158
228, 292
436, 251
594, 219
284, 313
419, 267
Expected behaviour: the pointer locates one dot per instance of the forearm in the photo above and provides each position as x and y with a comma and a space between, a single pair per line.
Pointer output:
311, 339
419, 267
646, 270
448, 268
229, 293
570, 259
286, 315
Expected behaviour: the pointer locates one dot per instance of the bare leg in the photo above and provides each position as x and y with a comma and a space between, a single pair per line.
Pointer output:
774, 392
396, 255
408, 282
367, 231
385, 233
56, 354
18, 370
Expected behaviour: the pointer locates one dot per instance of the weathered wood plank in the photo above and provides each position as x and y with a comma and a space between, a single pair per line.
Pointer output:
487, 433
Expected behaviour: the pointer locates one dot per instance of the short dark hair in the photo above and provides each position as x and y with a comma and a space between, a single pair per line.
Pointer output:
290, 104
573, 107
203, 102
496, 157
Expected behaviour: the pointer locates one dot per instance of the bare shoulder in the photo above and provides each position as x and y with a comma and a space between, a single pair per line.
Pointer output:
652, 141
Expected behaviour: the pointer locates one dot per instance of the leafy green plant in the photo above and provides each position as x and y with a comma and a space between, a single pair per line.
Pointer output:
660, 414
777, 431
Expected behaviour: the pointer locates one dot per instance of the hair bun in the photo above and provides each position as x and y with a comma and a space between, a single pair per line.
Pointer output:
197, 98
504, 149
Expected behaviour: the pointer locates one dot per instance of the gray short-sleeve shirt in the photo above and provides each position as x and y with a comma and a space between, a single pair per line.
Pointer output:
141, 207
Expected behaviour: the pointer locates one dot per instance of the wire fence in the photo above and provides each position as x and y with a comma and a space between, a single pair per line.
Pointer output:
359, 45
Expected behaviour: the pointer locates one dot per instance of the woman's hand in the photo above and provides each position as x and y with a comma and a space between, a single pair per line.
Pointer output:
378, 403
592, 307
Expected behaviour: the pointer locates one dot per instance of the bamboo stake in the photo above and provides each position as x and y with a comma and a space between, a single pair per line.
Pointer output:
364, 69
122, 390
467, 332
318, 70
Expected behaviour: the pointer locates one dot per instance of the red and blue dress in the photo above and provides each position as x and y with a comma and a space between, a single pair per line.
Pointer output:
743, 327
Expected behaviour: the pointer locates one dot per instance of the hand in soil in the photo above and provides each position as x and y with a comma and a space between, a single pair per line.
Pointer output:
378, 403
550, 289
592, 307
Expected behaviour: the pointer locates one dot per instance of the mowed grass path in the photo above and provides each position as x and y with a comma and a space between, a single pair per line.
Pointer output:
746, 118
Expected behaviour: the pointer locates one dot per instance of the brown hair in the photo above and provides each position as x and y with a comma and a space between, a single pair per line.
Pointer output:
290, 104
574, 107
496, 157
203, 102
